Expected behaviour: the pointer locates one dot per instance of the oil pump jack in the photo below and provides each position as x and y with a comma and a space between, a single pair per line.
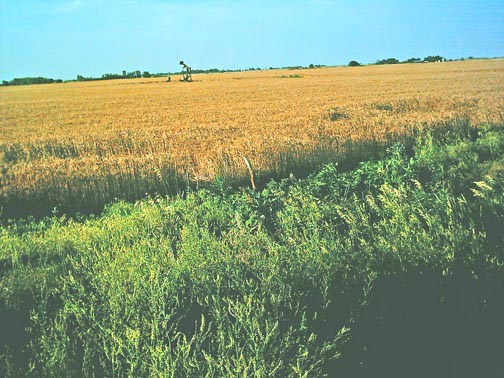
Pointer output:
188, 72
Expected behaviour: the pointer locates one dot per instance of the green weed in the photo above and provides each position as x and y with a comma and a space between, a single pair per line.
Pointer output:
304, 278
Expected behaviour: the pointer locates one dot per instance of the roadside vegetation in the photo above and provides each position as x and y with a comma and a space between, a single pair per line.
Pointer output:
390, 267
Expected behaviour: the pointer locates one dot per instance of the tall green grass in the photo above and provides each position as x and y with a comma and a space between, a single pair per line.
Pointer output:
394, 268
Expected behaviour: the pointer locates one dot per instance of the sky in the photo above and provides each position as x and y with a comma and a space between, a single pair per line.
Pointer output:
63, 38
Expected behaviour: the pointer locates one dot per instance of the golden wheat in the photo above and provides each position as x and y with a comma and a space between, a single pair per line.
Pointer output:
78, 144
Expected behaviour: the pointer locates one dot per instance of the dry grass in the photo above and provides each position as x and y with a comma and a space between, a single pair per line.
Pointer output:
79, 145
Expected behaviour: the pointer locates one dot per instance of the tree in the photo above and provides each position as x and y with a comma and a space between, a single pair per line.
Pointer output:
413, 60
433, 58
354, 63
388, 61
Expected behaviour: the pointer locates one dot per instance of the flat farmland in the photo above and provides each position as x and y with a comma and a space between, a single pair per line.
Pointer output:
79, 145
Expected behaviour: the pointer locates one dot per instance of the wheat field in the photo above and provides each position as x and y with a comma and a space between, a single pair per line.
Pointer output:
79, 145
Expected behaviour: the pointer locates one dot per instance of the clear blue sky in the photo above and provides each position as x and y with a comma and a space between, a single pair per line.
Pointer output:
63, 38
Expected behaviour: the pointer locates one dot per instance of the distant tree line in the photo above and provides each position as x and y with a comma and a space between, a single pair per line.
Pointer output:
125, 75
108, 76
213, 70
146, 74
311, 66
31, 80
427, 59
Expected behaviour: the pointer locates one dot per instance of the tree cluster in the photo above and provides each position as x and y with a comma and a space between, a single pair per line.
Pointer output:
125, 75
427, 59
31, 80
435, 58
388, 61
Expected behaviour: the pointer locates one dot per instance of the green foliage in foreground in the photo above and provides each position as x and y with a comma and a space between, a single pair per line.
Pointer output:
301, 279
